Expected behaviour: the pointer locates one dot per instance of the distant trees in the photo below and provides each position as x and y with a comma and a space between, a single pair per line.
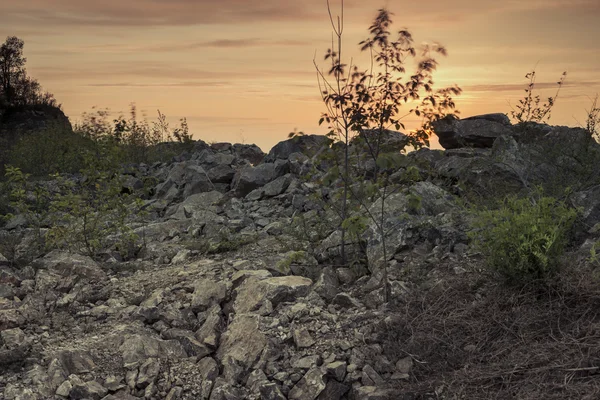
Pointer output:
16, 87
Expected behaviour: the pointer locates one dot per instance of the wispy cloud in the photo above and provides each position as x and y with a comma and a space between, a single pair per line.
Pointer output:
521, 86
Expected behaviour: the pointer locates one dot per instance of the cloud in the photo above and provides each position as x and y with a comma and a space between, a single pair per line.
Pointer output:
193, 12
521, 86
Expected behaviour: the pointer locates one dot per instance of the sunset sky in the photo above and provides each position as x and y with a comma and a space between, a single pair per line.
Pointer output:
242, 70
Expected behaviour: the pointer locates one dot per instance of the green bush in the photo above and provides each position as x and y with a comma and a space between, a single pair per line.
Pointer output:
524, 238
51, 151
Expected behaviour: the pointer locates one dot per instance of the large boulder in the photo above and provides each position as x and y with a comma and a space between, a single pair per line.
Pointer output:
250, 178
306, 144
241, 347
476, 131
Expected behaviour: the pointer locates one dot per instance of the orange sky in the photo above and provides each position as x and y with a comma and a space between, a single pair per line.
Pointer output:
242, 70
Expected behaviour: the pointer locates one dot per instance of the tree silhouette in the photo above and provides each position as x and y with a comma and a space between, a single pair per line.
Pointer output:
16, 87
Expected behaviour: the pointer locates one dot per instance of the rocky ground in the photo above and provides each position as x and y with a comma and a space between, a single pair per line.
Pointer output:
239, 292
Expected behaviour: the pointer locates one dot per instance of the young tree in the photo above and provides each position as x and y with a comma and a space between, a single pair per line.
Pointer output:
361, 105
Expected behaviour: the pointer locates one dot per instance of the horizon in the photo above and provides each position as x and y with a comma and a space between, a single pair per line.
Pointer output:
243, 72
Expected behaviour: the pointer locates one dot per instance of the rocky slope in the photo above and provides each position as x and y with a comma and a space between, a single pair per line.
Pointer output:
238, 293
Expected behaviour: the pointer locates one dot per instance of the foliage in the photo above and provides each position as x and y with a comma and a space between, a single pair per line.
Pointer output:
529, 109
53, 150
524, 238
134, 139
592, 123
16, 87
90, 215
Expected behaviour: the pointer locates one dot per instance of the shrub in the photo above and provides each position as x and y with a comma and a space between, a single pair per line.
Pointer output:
524, 238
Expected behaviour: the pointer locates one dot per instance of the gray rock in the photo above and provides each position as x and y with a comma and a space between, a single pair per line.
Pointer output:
241, 347
477, 131
208, 370
138, 348
208, 293
305, 144
147, 373
253, 291
310, 386
71, 265
270, 391
210, 331
345, 300
302, 338
90, 390
188, 341
333, 391
278, 186
250, 178
327, 284
76, 361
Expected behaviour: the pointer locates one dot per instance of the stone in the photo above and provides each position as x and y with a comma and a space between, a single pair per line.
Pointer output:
241, 347
76, 361
138, 348
278, 186
308, 145
310, 386
333, 391
90, 390
336, 370
327, 284
249, 178
71, 265
476, 131
302, 338
210, 331
208, 293
346, 301
253, 291
64, 389
147, 373
270, 391
208, 370
188, 341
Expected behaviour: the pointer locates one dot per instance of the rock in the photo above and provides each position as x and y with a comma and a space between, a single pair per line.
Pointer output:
346, 301
336, 370
64, 389
310, 386
13, 338
71, 265
270, 391
210, 332
333, 391
250, 178
477, 131
370, 377
138, 348
327, 284
373, 393
308, 145
147, 373
241, 347
90, 390
302, 338
249, 152
253, 291
76, 361
199, 206
208, 293
191, 345
221, 174
208, 370
278, 186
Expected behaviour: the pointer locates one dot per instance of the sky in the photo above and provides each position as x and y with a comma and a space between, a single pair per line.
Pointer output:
242, 71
